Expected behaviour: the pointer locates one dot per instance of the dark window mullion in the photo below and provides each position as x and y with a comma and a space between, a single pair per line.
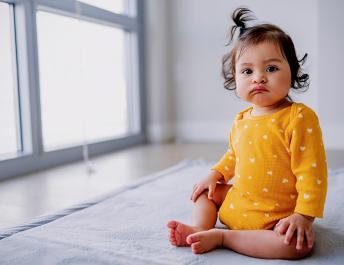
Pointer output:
20, 143
33, 78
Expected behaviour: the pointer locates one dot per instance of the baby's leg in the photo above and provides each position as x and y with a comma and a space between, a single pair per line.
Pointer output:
203, 218
255, 243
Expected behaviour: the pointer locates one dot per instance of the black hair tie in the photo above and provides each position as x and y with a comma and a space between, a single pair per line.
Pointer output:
242, 31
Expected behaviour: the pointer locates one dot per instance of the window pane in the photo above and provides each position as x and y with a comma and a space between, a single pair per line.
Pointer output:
9, 143
82, 81
116, 6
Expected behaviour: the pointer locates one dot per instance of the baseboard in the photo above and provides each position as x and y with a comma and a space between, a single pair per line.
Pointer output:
159, 133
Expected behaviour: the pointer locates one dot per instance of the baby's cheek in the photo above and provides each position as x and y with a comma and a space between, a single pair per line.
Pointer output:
241, 89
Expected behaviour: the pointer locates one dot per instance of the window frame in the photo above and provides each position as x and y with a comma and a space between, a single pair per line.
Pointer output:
33, 157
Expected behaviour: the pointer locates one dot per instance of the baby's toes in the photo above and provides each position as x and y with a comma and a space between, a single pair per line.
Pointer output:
192, 238
173, 241
197, 248
172, 237
172, 233
172, 224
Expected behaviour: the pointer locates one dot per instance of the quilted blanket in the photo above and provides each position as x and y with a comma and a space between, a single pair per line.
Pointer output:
128, 226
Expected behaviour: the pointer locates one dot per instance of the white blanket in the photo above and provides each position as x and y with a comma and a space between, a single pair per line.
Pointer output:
129, 227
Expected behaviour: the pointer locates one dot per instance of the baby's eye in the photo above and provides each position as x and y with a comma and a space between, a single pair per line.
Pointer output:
272, 69
247, 71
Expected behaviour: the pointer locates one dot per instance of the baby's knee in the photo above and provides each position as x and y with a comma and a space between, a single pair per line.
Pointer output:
220, 194
294, 253
204, 197
290, 251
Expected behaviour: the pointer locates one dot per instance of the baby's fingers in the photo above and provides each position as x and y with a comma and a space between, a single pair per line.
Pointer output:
282, 227
300, 238
196, 193
193, 191
310, 237
289, 234
211, 191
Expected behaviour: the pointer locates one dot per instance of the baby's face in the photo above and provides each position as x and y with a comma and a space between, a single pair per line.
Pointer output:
262, 74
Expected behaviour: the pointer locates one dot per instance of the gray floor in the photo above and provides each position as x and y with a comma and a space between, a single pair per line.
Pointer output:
45, 192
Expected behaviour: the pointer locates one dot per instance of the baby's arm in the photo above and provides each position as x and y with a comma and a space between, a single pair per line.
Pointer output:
209, 182
222, 172
308, 163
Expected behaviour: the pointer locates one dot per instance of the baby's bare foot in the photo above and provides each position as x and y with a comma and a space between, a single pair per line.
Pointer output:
179, 233
205, 241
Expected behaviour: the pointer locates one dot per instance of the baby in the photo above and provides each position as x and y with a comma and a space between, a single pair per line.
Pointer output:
275, 159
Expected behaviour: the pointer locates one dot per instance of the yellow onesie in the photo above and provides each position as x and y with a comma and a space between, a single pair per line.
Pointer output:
278, 166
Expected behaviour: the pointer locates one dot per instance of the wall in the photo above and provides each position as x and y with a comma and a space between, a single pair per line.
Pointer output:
205, 109
188, 42
330, 71
160, 94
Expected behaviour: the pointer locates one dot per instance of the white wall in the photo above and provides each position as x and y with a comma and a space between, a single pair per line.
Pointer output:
160, 93
187, 39
330, 71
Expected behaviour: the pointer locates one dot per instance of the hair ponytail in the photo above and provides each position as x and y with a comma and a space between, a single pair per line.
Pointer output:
240, 18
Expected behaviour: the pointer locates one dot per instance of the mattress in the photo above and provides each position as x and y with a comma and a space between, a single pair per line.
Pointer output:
128, 226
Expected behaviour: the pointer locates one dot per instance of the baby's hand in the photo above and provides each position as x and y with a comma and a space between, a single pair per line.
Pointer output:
299, 224
207, 183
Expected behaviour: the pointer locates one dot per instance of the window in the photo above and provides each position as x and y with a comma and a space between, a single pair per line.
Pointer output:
117, 6
86, 75
9, 140
70, 79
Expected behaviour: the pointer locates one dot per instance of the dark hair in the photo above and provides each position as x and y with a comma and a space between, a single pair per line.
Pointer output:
258, 34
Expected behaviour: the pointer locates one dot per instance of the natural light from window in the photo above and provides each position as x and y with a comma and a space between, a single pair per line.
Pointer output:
9, 143
82, 69
116, 6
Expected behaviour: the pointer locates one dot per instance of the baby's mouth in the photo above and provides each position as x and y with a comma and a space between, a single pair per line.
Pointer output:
258, 90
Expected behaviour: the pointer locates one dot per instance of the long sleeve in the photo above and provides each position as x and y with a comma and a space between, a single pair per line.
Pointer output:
226, 165
308, 162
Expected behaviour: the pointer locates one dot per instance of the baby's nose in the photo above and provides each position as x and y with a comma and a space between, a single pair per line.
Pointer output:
259, 78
